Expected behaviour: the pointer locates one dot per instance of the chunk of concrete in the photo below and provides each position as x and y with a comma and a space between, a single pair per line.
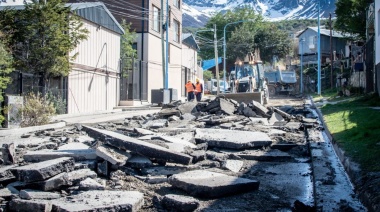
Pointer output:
260, 108
175, 140
262, 121
293, 125
275, 118
6, 175
113, 155
8, 152
248, 112
188, 117
103, 168
232, 139
137, 146
180, 203
259, 155
142, 132
78, 151
138, 161
164, 170
90, 184
36, 194
43, 170
169, 112
188, 107
64, 179
232, 165
96, 200
22, 205
283, 114
8, 192
208, 184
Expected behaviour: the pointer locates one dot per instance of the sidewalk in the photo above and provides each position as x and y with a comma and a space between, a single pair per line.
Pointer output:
61, 121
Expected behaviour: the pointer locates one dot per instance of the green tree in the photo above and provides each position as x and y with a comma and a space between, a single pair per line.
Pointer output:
41, 36
5, 69
351, 16
127, 41
207, 75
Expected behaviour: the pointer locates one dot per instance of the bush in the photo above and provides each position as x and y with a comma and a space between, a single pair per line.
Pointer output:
58, 102
37, 110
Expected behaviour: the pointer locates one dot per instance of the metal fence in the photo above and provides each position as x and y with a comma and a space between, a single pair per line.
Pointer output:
133, 80
24, 83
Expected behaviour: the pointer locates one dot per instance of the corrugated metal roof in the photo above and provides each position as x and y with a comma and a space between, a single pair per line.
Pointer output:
98, 13
324, 31
95, 12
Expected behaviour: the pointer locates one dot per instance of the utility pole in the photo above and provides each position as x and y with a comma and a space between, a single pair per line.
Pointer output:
167, 47
319, 49
216, 61
331, 56
163, 27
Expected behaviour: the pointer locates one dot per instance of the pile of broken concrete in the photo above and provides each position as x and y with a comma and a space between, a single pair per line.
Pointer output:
195, 147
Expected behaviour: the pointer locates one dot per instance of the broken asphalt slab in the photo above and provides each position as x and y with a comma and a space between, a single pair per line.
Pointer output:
141, 147
43, 170
208, 184
232, 139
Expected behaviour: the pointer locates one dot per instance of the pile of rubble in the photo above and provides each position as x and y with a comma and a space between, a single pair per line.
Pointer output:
199, 149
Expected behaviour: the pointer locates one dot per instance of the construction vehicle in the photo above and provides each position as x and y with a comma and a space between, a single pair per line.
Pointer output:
281, 81
247, 81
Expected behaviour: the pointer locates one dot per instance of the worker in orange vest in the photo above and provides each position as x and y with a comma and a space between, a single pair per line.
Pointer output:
190, 87
198, 90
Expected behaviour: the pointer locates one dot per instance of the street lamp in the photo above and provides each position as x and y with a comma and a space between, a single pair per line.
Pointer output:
301, 84
224, 49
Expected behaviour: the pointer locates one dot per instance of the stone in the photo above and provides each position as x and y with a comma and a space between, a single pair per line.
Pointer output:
173, 118
283, 114
30, 205
293, 125
276, 132
138, 146
103, 168
198, 155
208, 184
275, 118
90, 184
259, 155
86, 164
232, 165
260, 108
188, 107
83, 139
248, 112
43, 170
36, 194
6, 175
166, 112
262, 121
188, 117
164, 170
154, 124
113, 155
153, 179
142, 132
104, 200
180, 203
226, 107
138, 161
64, 179
78, 151
232, 139
175, 140
8, 152
8, 192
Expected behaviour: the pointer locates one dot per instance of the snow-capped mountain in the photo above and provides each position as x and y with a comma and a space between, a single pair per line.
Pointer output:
197, 12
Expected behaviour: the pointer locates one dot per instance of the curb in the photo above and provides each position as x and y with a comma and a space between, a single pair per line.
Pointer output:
20, 131
352, 168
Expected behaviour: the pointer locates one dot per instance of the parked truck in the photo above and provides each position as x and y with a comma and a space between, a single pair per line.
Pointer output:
281, 81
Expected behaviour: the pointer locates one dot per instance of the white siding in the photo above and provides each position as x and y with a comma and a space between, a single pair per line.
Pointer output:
100, 50
88, 89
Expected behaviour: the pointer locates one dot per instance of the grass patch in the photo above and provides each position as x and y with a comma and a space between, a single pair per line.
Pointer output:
356, 128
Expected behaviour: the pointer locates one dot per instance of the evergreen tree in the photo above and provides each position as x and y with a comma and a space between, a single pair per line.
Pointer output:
5, 69
41, 37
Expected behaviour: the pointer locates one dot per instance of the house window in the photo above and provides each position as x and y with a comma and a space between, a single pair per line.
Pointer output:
177, 3
176, 31
156, 19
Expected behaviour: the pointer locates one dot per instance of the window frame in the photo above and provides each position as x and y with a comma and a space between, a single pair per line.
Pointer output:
177, 3
156, 23
176, 30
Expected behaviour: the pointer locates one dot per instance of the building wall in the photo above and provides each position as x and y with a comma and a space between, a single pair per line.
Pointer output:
93, 84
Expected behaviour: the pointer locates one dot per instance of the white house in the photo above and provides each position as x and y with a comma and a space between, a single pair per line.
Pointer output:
190, 67
94, 81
